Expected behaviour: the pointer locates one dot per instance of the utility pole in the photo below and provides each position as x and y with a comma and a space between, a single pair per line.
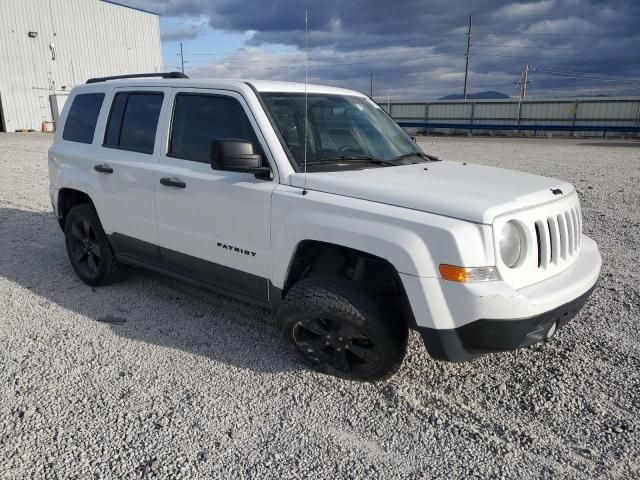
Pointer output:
523, 82
371, 87
181, 58
466, 67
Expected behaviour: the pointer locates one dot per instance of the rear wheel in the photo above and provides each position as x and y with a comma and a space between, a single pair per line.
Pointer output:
339, 328
88, 248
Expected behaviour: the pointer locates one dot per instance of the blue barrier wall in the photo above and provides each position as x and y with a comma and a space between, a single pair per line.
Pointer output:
589, 116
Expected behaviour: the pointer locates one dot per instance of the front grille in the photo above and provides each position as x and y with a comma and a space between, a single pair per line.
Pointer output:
552, 231
558, 237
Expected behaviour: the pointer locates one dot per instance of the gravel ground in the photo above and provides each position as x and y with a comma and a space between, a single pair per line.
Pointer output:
152, 379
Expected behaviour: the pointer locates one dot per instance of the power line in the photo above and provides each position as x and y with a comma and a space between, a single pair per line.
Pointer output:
435, 48
334, 45
540, 71
522, 46
609, 89
239, 52
293, 52
521, 34
413, 49
631, 82
239, 65
404, 40
413, 39
584, 74
398, 42
339, 47
422, 37
584, 90
506, 56
326, 58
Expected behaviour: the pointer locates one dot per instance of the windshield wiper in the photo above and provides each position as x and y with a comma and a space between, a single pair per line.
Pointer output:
364, 158
417, 154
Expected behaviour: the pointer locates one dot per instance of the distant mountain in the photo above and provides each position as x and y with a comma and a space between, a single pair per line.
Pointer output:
490, 95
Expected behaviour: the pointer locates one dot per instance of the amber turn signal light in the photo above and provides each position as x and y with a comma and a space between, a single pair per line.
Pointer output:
468, 275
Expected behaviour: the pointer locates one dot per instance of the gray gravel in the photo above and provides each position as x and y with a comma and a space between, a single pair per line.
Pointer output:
152, 379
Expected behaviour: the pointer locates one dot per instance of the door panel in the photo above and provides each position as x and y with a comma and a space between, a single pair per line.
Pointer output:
219, 217
129, 189
129, 194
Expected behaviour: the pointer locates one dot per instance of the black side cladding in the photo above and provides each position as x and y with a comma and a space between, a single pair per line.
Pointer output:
219, 278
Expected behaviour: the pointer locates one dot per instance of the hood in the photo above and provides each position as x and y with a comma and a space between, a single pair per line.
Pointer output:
470, 192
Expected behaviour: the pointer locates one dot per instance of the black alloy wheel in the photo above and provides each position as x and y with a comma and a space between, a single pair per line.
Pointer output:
332, 342
88, 247
84, 248
338, 327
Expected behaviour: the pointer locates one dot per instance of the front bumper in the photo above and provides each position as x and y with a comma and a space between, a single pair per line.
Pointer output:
461, 321
489, 335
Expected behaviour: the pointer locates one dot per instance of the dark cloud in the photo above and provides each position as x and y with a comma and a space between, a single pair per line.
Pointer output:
415, 48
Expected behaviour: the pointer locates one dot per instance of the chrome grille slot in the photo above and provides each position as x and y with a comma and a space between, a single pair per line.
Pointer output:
544, 244
574, 220
563, 236
558, 238
539, 245
579, 213
570, 234
554, 235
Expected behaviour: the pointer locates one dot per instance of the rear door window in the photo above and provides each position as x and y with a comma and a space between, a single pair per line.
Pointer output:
133, 121
82, 117
198, 120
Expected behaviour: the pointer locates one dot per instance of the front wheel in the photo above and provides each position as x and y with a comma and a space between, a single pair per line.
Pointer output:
339, 328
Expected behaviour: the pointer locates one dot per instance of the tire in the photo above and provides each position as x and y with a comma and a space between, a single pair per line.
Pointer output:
338, 328
89, 251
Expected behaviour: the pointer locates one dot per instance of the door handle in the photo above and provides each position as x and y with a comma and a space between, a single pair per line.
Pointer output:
172, 182
103, 169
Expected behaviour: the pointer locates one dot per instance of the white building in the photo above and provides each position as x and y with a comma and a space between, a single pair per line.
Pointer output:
48, 46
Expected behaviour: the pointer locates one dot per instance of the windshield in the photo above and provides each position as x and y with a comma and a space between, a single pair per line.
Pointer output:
343, 131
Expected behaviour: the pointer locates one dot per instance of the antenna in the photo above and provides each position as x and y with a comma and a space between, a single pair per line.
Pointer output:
306, 114
181, 59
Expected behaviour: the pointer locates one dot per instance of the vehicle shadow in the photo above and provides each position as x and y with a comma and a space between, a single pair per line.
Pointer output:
144, 307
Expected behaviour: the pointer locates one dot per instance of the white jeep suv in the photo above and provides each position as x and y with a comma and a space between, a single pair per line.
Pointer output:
205, 180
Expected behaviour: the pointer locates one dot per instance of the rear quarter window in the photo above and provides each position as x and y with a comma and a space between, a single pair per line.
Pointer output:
82, 118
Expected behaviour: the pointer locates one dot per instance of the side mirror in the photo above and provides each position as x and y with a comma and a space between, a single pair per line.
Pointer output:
237, 156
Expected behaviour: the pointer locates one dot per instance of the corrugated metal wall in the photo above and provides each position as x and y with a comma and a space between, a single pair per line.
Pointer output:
75, 40
572, 112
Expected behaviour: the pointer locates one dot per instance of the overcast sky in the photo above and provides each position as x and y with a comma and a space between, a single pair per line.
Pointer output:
414, 48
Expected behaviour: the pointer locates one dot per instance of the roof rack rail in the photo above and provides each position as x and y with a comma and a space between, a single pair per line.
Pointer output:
139, 75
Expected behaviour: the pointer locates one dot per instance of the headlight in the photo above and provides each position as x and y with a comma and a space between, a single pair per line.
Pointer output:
511, 244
